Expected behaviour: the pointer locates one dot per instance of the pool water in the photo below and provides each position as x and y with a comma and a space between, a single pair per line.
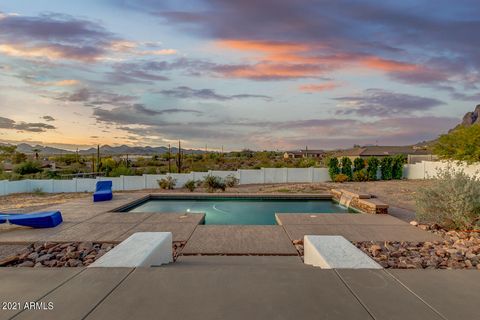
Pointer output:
230, 211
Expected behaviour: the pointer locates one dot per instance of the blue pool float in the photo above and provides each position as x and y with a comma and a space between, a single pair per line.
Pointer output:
103, 191
48, 219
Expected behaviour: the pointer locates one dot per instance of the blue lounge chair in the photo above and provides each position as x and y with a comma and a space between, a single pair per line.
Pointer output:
103, 191
48, 219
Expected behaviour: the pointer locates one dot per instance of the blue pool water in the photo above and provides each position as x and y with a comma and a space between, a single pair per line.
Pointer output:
239, 211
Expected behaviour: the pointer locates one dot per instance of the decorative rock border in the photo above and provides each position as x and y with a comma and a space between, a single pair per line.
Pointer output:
69, 254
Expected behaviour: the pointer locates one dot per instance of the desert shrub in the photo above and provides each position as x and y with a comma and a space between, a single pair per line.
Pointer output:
453, 201
358, 164
372, 168
213, 183
333, 168
386, 168
397, 166
341, 178
167, 183
361, 175
191, 185
28, 167
231, 181
120, 171
38, 191
347, 167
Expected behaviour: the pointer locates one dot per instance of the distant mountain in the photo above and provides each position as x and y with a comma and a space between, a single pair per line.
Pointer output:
471, 118
104, 150
28, 149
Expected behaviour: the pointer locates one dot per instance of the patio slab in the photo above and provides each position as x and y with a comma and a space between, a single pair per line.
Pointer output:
122, 217
337, 218
229, 291
92, 231
14, 234
210, 239
384, 296
363, 232
30, 284
80, 210
180, 231
454, 293
74, 299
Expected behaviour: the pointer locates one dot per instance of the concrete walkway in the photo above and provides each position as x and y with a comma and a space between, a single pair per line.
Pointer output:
225, 287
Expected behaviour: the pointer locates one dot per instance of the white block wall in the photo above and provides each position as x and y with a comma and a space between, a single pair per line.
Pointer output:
422, 170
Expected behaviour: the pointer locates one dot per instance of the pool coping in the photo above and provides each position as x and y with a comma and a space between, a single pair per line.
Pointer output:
189, 196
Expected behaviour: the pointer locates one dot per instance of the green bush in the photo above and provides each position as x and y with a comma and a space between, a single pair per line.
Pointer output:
191, 185
120, 171
461, 144
28, 167
231, 181
341, 178
372, 168
386, 168
453, 201
358, 164
347, 167
213, 183
167, 183
397, 166
361, 175
333, 168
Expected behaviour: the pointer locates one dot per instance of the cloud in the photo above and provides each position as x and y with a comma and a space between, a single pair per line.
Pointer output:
382, 103
302, 38
54, 36
184, 92
328, 86
145, 72
94, 97
6, 123
59, 36
48, 118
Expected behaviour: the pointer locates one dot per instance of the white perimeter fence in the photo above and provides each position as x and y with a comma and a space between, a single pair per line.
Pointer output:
422, 170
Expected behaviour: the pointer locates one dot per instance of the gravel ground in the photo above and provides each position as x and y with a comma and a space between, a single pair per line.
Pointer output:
458, 250
24, 202
54, 254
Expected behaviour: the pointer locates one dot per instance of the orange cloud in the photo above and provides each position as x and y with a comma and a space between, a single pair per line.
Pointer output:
319, 87
284, 60
387, 65
30, 52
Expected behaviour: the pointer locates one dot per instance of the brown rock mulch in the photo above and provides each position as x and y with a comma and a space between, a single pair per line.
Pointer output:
71, 254
458, 250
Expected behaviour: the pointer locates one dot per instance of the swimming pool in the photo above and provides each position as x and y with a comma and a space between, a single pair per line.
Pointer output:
238, 211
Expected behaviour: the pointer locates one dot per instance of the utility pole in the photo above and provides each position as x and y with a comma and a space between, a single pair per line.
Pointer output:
169, 158
98, 158
179, 157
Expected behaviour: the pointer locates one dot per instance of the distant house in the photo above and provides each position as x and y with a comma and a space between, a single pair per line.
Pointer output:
307, 153
413, 154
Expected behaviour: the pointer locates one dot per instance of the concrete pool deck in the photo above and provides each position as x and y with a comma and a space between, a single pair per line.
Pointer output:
226, 287
88, 221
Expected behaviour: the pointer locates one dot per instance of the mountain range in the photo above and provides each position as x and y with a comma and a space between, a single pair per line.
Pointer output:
104, 150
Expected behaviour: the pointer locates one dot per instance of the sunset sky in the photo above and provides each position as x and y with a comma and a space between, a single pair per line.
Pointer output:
270, 74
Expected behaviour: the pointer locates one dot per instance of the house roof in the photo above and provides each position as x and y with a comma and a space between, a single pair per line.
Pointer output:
382, 151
